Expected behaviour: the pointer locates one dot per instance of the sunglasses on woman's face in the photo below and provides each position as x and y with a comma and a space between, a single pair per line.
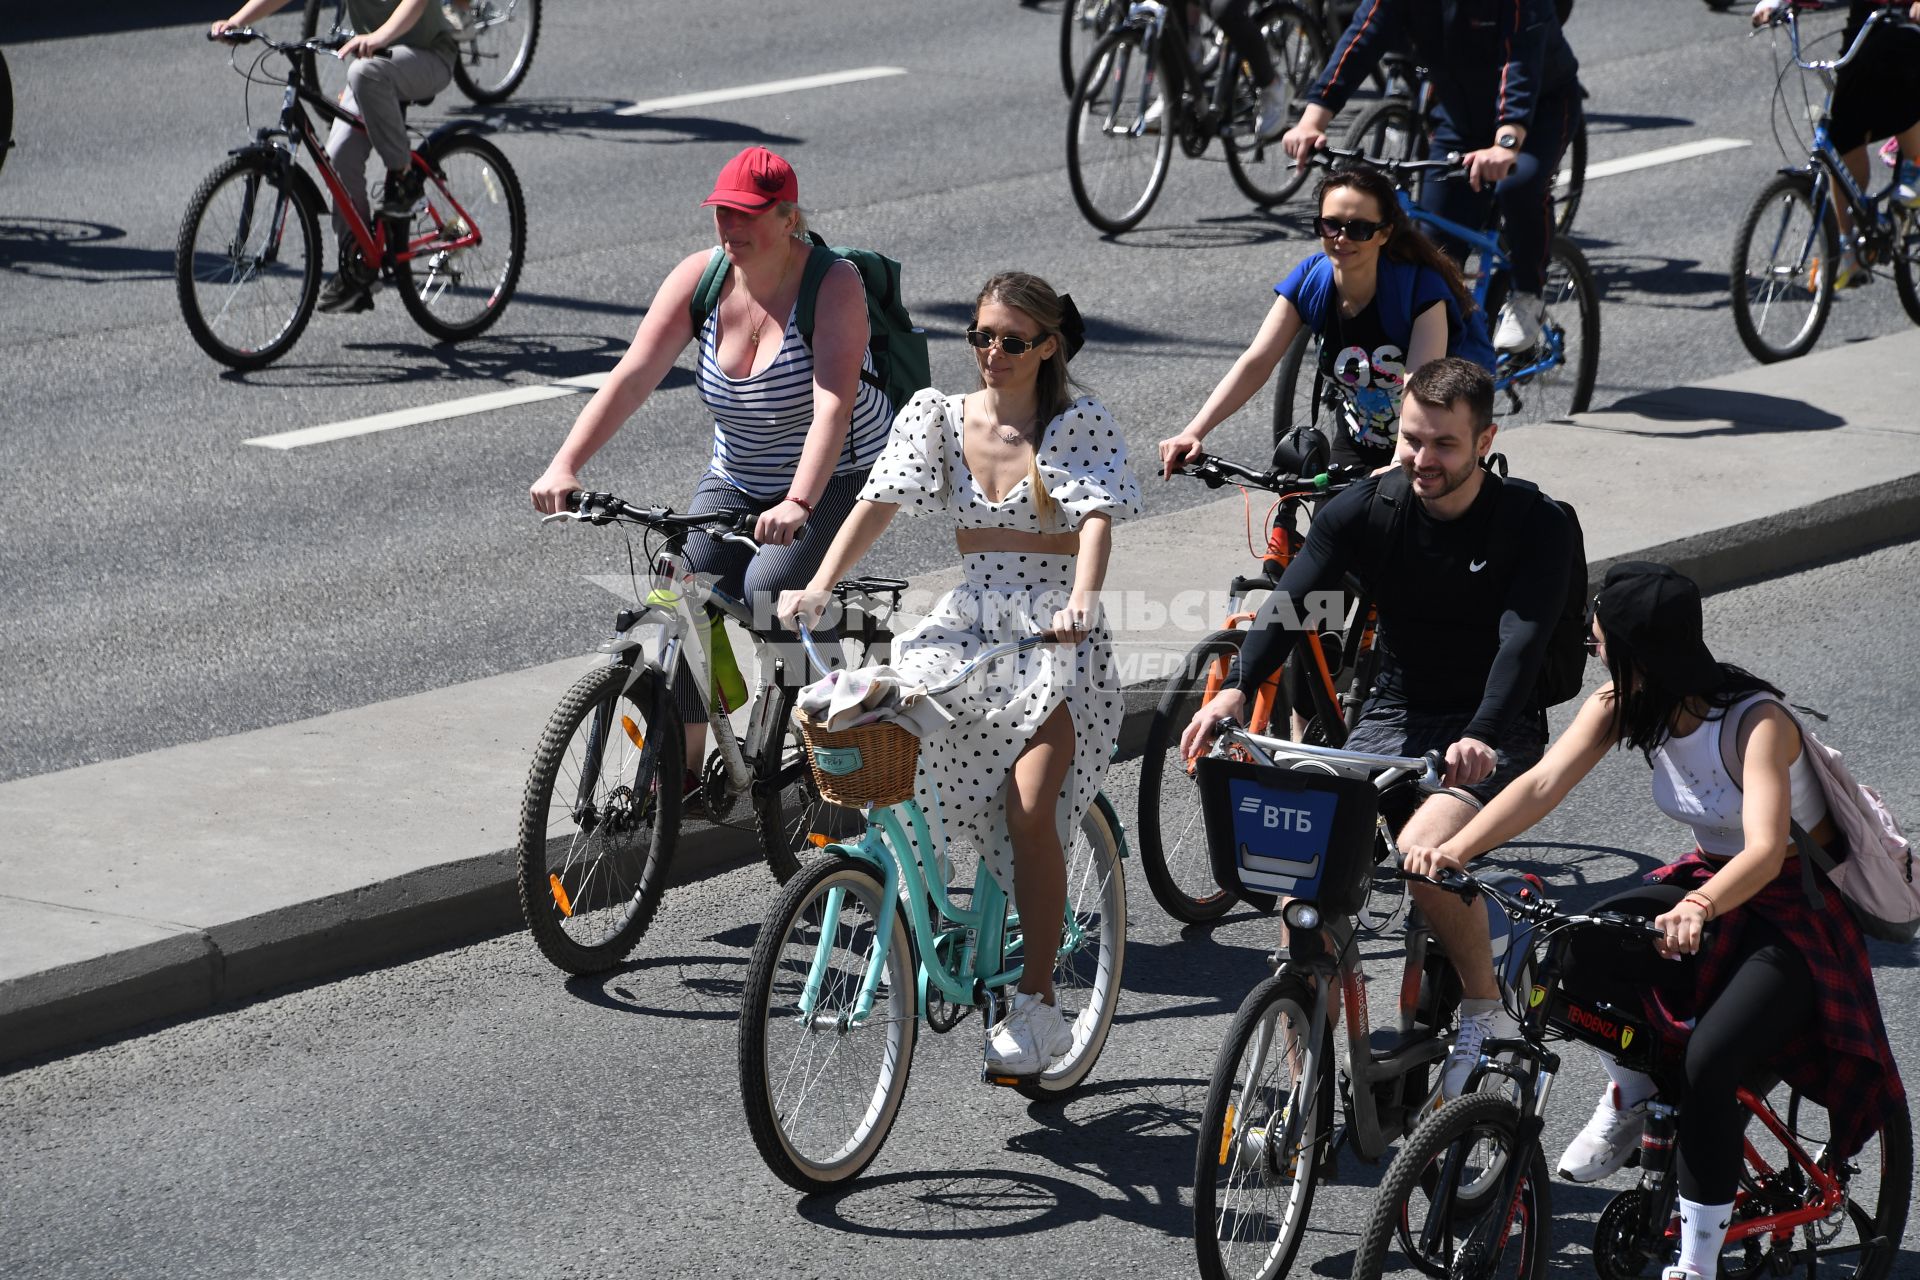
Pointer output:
1009, 343
1357, 230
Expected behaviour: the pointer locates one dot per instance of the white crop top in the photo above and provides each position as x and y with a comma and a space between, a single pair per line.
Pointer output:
1691, 784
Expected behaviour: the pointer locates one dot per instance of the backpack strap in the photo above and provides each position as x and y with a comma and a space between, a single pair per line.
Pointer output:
1731, 759
1386, 517
706, 294
820, 260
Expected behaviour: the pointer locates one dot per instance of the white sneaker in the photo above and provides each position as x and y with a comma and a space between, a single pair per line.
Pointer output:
1496, 1024
1520, 323
1680, 1273
1031, 1037
1599, 1150
1149, 123
1275, 110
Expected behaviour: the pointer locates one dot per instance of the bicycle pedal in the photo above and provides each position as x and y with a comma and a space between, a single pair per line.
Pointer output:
1003, 1080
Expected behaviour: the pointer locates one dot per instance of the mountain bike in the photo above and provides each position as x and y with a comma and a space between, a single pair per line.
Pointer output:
248, 261
1304, 822
1784, 254
601, 816
865, 941
1328, 675
497, 38
1467, 1197
1550, 382
1124, 119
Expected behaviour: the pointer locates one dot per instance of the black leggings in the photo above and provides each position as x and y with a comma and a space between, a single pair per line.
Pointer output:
1768, 1001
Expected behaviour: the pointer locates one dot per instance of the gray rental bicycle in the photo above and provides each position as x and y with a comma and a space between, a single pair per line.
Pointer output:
1303, 822
604, 801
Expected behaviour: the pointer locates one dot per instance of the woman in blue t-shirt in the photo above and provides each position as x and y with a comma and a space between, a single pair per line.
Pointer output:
1382, 299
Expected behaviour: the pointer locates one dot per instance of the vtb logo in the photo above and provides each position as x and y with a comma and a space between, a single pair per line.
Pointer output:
1278, 817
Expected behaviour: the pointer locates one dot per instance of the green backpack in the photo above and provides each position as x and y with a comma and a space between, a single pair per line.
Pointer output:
901, 368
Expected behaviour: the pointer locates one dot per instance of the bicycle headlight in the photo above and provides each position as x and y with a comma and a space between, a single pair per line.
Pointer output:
1301, 914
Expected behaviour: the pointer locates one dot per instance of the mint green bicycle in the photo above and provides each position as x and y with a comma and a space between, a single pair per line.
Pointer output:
862, 942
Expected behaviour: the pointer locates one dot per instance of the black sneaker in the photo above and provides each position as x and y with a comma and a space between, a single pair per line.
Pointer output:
400, 198
344, 293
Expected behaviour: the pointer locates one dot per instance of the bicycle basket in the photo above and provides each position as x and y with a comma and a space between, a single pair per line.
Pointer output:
1275, 831
869, 764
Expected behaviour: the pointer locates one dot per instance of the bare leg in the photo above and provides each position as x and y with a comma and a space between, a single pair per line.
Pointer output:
1039, 863
1460, 926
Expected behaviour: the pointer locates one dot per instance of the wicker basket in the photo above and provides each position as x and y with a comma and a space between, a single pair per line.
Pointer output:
870, 764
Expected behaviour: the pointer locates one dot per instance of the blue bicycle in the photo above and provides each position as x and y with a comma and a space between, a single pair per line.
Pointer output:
1785, 256
1553, 381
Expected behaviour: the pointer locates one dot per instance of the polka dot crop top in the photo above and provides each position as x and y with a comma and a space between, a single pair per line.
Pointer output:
1082, 463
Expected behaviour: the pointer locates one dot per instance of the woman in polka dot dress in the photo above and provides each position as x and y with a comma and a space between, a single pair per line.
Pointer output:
1033, 479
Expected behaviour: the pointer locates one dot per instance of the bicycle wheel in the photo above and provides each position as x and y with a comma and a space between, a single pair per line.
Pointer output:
1119, 132
1782, 274
1480, 1237
1906, 252
1082, 24
1879, 1182
1093, 950
496, 45
247, 263
600, 818
788, 810
1554, 381
1173, 839
466, 258
6, 111
1293, 383
1262, 170
1571, 182
1263, 1132
822, 1088
1392, 130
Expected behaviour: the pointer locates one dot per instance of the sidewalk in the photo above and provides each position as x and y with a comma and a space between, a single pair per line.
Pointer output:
167, 883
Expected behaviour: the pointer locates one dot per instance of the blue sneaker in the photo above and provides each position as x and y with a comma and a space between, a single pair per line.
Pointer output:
1906, 184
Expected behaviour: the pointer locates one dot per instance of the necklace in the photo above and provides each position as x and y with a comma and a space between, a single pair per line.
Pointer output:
1012, 435
753, 335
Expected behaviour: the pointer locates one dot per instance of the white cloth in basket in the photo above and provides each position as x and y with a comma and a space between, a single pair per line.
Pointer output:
849, 698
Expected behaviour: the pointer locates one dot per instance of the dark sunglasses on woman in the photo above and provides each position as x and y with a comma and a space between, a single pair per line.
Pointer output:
1357, 230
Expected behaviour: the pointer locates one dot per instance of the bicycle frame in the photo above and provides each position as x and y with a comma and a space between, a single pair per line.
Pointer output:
1493, 260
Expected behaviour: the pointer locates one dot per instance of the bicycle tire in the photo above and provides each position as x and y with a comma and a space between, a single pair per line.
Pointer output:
516, 47
1411, 1178
256, 303
1107, 127
310, 28
1293, 383
1086, 981
1889, 1189
1573, 310
777, 973
1178, 870
1263, 172
6, 110
1083, 23
1393, 130
1779, 282
1566, 202
588, 907
789, 813
461, 292
1906, 249
1277, 1002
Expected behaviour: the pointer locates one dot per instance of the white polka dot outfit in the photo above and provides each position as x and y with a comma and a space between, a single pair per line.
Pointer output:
964, 771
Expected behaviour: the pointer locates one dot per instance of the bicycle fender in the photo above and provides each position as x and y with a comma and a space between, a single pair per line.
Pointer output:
617, 645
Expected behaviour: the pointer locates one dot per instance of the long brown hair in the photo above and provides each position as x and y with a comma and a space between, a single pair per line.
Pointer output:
1405, 242
1054, 388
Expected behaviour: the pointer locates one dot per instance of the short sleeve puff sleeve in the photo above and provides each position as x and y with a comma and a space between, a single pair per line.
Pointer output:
911, 470
1084, 465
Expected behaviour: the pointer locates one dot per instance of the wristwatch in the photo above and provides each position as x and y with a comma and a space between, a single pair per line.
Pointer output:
1507, 138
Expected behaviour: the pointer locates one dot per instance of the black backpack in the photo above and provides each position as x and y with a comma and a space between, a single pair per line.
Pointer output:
1563, 668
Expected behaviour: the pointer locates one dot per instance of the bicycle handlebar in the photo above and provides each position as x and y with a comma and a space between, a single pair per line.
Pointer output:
1451, 167
1787, 15
1540, 911
1387, 769
1214, 472
319, 44
605, 508
967, 668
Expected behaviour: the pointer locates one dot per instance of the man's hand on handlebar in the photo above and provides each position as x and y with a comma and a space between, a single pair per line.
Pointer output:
1308, 136
1228, 704
1469, 761
1177, 451
553, 492
1433, 862
1488, 165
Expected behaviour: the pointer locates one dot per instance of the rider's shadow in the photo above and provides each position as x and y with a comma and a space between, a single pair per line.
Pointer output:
81, 252
600, 119
966, 1204
539, 357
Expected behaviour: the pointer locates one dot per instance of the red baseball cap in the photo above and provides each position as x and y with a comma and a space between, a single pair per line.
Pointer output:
754, 181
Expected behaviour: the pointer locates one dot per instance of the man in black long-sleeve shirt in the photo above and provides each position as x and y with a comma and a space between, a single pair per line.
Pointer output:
1469, 583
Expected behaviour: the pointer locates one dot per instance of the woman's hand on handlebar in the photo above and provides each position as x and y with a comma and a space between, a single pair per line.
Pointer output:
553, 491
1178, 451
803, 608
1680, 929
1228, 704
1072, 624
781, 524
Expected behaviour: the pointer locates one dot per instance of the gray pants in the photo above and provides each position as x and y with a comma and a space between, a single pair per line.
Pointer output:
378, 90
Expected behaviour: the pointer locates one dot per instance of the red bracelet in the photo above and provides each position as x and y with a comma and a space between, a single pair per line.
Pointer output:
1706, 903
802, 503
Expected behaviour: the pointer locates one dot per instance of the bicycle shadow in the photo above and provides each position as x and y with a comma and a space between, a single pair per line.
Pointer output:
696, 988
600, 120
1632, 122
1202, 975
966, 1204
70, 249
1660, 283
1235, 231
1135, 1136
542, 357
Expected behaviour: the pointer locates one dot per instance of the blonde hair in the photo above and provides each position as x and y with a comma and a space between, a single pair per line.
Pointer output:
800, 227
1055, 386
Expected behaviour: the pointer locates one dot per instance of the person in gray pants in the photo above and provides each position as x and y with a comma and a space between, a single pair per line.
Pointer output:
403, 51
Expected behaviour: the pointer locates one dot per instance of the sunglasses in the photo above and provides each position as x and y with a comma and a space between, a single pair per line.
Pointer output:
1009, 344
1357, 230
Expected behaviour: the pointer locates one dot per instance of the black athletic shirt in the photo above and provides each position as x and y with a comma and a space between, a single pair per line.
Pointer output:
1453, 636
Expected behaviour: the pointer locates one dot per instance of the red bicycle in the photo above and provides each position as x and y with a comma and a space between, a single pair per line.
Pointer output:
248, 262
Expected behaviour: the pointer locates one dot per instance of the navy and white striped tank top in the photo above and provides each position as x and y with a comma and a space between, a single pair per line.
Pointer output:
760, 422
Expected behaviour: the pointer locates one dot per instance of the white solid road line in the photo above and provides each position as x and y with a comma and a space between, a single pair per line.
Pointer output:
653, 106
413, 417
1665, 155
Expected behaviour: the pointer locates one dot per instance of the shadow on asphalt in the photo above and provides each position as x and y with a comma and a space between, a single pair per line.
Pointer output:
543, 357
598, 118
1723, 413
1628, 122
1660, 283
700, 988
83, 252
1135, 1136
948, 1205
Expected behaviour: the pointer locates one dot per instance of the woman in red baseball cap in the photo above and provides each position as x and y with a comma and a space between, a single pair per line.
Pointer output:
795, 425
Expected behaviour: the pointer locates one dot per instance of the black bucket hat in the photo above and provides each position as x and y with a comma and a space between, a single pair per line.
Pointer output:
1657, 612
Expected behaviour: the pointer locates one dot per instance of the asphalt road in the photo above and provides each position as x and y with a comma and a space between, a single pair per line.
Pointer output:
161, 582
471, 1114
